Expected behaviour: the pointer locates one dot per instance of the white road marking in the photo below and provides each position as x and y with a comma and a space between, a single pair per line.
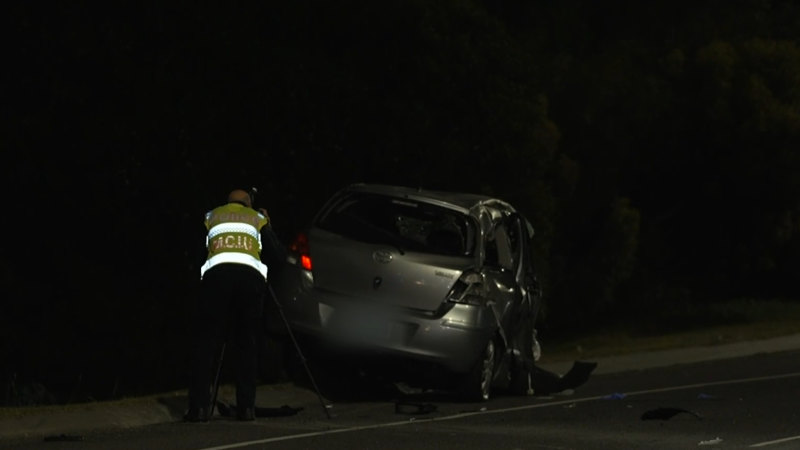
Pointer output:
776, 441
515, 408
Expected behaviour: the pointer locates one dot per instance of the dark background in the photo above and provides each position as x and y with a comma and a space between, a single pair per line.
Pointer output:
654, 145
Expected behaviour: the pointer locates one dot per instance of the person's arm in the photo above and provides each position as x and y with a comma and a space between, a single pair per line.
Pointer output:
273, 252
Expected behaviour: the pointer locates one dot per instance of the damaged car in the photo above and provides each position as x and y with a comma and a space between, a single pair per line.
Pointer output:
438, 282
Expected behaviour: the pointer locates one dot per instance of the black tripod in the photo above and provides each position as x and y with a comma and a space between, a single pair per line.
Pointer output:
325, 407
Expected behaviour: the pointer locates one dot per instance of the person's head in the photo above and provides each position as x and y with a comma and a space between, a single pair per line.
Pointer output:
240, 196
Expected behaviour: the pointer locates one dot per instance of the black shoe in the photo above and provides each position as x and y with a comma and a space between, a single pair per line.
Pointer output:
196, 415
246, 414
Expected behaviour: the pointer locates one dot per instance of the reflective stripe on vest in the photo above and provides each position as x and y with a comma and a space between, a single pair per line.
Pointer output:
236, 258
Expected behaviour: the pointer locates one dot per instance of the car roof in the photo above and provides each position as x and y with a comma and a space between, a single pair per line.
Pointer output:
462, 200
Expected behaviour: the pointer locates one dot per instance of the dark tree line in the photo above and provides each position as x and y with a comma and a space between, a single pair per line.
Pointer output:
654, 147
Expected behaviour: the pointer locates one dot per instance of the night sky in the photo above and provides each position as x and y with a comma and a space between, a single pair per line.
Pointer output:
654, 148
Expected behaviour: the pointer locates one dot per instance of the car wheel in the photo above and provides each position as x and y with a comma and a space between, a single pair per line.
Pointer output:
477, 384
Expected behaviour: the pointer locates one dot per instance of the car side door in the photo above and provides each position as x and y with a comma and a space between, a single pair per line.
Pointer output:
525, 270
501, 264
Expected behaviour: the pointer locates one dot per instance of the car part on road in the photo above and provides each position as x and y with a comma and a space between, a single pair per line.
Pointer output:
666, 413
546, 382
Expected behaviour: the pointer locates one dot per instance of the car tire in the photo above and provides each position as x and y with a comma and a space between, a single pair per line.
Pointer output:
477, 384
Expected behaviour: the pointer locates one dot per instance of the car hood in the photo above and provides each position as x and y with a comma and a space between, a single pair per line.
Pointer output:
382, 275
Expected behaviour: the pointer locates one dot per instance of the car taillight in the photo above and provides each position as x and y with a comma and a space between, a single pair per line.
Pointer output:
301, 251
468, 289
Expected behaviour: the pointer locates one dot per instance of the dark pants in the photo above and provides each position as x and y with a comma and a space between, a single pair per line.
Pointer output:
229, 309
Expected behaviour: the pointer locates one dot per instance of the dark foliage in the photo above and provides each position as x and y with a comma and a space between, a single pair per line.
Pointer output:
654, 147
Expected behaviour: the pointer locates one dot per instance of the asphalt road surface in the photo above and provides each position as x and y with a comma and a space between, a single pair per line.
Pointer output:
742, 402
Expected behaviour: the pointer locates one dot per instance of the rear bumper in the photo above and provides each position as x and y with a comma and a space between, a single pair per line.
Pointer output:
452, 339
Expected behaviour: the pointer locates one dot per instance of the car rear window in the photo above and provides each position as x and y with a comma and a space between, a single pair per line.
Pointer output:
406, 224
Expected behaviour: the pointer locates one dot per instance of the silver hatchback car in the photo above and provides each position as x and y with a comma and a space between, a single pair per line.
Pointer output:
432, 279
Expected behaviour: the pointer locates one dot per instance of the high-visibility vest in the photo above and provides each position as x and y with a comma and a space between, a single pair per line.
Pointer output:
234, 236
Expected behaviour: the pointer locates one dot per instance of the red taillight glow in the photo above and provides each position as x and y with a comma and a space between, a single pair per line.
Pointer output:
301, 248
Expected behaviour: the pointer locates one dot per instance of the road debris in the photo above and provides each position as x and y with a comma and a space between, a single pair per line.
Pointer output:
546, 382
666, 413
615, 396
